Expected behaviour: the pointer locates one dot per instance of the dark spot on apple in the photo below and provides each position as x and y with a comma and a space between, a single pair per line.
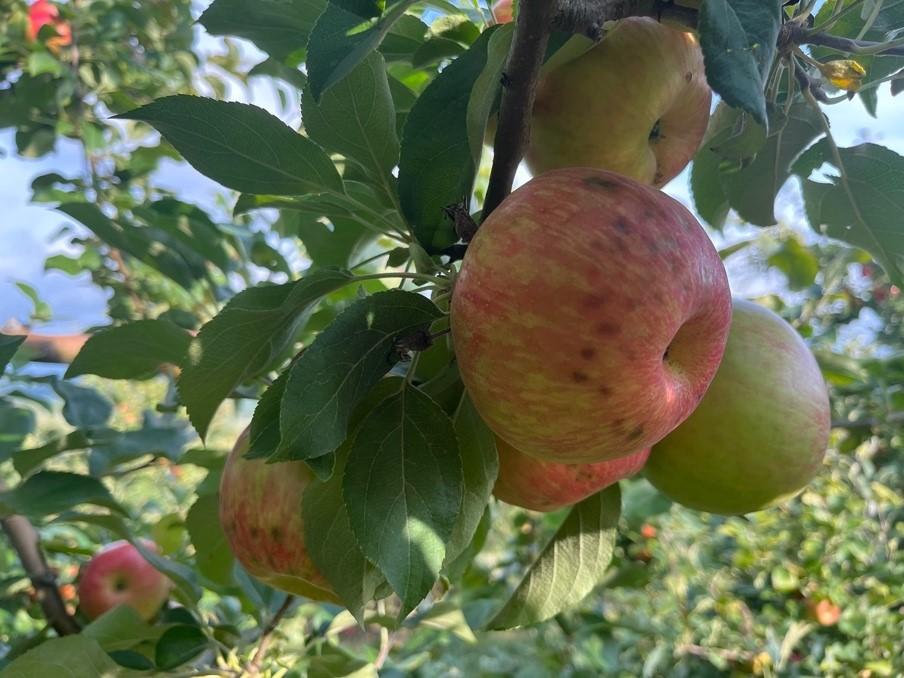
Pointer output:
622, 225
600, 182
607, 328
604, 390
636, 433
665, 356
597, 244
276, 533
618, 423
255, 532
120, 583
593, 301
588, 352
688, 76
579, 377
656, 132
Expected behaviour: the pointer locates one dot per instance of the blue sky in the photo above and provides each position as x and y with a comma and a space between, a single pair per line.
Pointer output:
27, 231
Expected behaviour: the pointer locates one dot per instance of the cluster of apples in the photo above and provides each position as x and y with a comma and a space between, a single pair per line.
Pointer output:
593, 324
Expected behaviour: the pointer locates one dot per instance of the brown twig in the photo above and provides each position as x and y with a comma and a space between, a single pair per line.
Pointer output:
799, 35
24, 539
254, 666
522, 69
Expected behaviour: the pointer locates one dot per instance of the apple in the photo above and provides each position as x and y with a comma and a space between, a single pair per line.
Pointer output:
119, 574
547, 485
637, 104
589, 316
503, 11
41, 13
260, 511
761, 431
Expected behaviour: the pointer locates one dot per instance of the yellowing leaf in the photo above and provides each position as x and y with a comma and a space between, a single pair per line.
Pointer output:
844, 74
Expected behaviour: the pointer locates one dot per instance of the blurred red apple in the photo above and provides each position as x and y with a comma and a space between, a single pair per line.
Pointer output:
41, 13
119, 574
503, 11
589, 316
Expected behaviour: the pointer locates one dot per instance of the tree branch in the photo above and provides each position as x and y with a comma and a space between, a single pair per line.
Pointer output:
800, 35
254, 666
518, 89
25, 541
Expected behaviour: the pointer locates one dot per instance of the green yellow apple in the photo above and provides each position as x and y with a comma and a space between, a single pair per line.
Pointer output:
589, 316
260, 511
538, 485
637, 104
119, 575
761, 431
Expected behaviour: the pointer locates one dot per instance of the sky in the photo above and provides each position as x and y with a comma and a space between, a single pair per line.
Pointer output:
27, 232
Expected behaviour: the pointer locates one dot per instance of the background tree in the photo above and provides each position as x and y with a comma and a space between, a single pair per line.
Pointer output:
382, 189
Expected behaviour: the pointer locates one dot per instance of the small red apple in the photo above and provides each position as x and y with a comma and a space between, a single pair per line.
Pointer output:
41, 13
589, 316
260, 511
538, 485
637, 104
503, 11
119, 574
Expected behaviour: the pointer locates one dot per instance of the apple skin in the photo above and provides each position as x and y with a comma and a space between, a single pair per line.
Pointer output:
503, 11
761, 431
41, 13
637, 104
589, 316
119, 574
260, 511
537, 485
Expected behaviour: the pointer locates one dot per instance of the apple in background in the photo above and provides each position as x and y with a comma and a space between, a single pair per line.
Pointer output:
761, 431
119, 574
41, 13
537, 485
260, 511
503, 11
589, 316
637, 104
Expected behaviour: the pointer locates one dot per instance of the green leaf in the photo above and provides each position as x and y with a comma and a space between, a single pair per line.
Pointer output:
9, 344
82, 407
240, 146
868, 215
344, 35
330, 541
710, 200
752, 189
797, 261
75, 656
356, 118
212, 554
178, 645
486, 89
436, 166
41, 310
15, 424
738, 41
569, 567
341, 366
134, 350
50, 492
403, 489
334, 662
254, 328
264, 438
278, 27
25, 461
480, 462
327, 245
120, 628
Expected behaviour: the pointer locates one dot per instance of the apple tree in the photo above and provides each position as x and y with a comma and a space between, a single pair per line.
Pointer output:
414, 337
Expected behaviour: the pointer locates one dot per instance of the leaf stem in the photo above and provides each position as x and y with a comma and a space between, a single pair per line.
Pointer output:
254, 666
424, 277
